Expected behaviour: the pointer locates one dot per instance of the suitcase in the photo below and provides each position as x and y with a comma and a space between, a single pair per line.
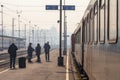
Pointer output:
22, 62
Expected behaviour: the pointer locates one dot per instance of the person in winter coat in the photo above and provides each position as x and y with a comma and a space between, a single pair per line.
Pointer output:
47, 49
12, 51
30, 51
38, 52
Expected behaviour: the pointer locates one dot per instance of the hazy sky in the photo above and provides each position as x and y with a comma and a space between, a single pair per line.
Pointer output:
34, 11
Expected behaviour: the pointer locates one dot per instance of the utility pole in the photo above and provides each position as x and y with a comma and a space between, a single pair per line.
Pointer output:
2, 23
25, 35
38, 35
33, 36
41, 37
19, 30
54, 7
29, 30
44, 36
64, 34
13, 30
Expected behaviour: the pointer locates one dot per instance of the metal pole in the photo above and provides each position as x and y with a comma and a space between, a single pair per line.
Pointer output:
44, 36
64, 51
2, 23
38, 35
25, 35
33, 36
35, 39
66, 34
40, 38
29, 31
60, 58
13, 29
19, 29
60, 28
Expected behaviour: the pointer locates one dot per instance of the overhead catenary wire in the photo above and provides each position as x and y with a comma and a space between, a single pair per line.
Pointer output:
12, 8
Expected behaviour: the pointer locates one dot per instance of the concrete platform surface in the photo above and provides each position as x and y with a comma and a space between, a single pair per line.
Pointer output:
38, 71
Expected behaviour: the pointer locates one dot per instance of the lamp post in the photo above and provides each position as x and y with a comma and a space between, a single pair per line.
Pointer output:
60, 58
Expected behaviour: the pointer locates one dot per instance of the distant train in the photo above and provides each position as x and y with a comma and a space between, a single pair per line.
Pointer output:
96, 41
7, 40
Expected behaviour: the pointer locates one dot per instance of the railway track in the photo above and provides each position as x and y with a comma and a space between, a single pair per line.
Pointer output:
4, 59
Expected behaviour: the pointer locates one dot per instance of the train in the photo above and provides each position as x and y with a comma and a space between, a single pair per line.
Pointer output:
96, 41
5, 42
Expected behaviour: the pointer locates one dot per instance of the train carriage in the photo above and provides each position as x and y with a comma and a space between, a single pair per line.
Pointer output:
97, 40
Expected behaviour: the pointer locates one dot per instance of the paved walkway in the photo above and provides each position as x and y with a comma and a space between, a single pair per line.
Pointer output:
38, 71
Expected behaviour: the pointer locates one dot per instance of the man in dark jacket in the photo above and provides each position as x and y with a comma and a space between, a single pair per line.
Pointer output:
38, 52
30, 51
12, 51
47, 49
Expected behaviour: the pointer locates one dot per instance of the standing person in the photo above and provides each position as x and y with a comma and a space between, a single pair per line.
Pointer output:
30, 51
38, 52
47, 49
12, 51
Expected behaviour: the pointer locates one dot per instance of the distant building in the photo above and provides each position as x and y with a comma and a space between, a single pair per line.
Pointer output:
7, 40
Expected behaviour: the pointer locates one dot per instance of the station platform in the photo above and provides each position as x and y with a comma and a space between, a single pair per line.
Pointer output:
40, 71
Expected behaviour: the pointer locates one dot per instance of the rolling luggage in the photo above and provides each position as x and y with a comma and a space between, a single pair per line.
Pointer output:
22, 62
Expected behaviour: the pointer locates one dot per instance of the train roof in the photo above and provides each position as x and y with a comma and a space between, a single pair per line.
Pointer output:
78, 27
90, 5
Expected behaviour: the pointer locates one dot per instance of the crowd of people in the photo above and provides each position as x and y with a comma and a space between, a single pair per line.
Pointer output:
13, 48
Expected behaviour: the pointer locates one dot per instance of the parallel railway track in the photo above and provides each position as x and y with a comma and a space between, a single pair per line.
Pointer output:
4, 59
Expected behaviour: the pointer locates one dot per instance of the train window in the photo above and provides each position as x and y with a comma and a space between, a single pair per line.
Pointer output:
88, 30
80, 40
112, 21
101, 22
91, 25
85, 30
95, 23
77, 38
